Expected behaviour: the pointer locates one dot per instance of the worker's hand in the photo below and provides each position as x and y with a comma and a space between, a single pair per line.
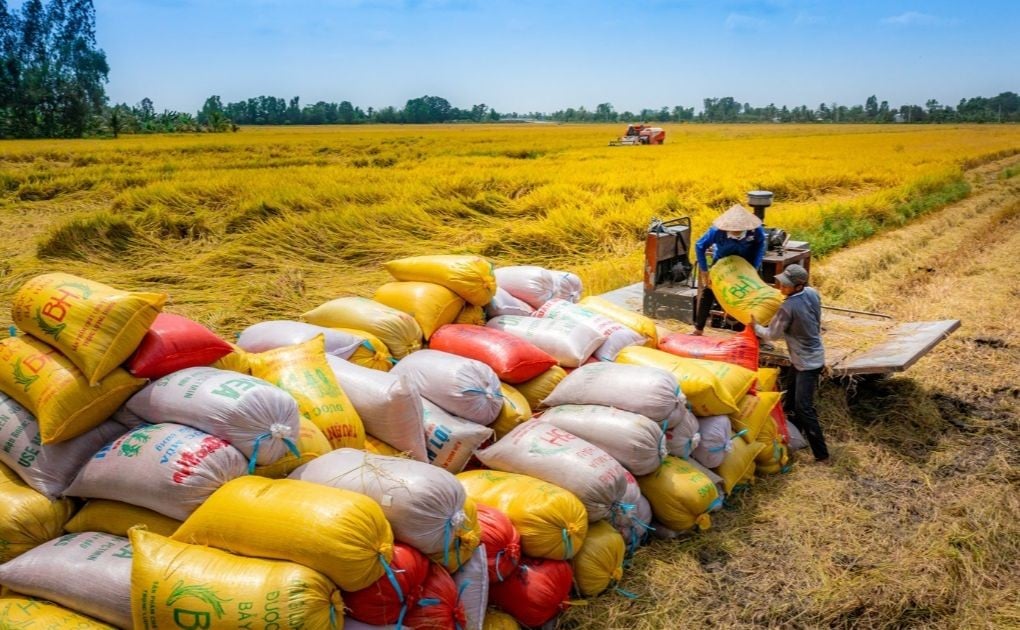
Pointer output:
705, 278
752, 323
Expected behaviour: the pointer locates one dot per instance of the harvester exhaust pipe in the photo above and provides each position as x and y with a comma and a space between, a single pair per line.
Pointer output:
759, 200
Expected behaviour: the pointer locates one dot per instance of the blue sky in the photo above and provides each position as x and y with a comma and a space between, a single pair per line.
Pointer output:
541, 56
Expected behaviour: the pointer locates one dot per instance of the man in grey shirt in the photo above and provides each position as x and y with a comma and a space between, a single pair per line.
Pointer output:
799, 321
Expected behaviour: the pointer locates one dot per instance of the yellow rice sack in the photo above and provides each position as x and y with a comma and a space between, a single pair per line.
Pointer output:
712, 387
95, 326
431, 305
378, 447
311, 443
372, 353
25, 613
773, 459
742, 293
515, 411
635, 321
178, 586
114, 517
538, 389
398, 331
753, 414
599, 563
303, 371
343, 534
236, 361
737, 469
56, 392
552, 522
465, 540
470, 277
499, 620
27, 518
471, 314
681, 495
768, 379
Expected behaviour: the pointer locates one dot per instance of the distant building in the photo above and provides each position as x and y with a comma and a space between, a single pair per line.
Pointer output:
898, 118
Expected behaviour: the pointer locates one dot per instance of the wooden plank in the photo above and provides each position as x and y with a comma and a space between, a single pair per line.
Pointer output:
900, 348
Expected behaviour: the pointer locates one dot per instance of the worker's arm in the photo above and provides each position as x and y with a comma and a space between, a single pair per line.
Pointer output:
702, 246
759, 238
780, 322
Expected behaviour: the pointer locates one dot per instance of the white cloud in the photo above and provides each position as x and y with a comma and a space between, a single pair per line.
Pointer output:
741, 22
913, 18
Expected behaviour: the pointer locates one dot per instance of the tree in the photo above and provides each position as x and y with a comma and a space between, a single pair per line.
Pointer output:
871, 107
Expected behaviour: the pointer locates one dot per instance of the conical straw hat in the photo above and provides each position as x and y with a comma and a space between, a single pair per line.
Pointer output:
736, 219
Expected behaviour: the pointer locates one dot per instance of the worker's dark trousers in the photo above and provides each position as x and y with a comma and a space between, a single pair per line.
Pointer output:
705, 305
799, 406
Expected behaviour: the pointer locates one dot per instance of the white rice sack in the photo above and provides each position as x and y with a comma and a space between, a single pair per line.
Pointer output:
464, 387
254, 416
127, 418
543, 451
265, 336
46, 468
649, 391
633, 518
797, 440
168, 468
715, 441
682, 436
388, 404
424, 504
450, 441
661, 532
617, 336
720, 485
570, 343
473, 588
88, 572
638, 443
533, 285
568, 286
505, 304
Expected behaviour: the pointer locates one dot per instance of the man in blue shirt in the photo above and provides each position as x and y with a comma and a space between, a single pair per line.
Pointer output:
799, 322
735, 232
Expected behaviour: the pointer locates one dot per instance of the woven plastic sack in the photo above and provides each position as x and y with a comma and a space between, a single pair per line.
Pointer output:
539, 591
388, 404
470, 277
742, 293
681, 496
538, 389
513, 359
617, 336
468, 537
775, 457
782, 425
466, 388
235, 361
473, 588
682, 437
501, 541
166, 467
376, 446
175, 585
25, 613
265, 336
645, 326
755, 412
737, 468
372, 353
255, 417
768, 379
173, 343
649, 391
311, 443
639, 444
714, 478
528, 283
439, 607
505, 304
56, 392
471, 315
304, 373
431, 305
515, 411
739, 349
114, 517
599, 564
541, 450
48, 469
341, 533
387, 600
567, 341
551, 521
711, 387
95, 326
568, 286
424, 504
499, 620
715, 441
27, 518
101, 568
450, 441
397, 330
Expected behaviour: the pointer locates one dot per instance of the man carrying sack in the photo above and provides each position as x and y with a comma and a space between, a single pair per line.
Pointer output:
736, 232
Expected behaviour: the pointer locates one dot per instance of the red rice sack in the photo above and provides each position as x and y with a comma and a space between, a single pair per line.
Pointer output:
174, 343
502, 542
389, 598
534, 285
439, 607
740, 349
505, 304
450, 441
266, 336
513, 359
539, 591
466, 388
